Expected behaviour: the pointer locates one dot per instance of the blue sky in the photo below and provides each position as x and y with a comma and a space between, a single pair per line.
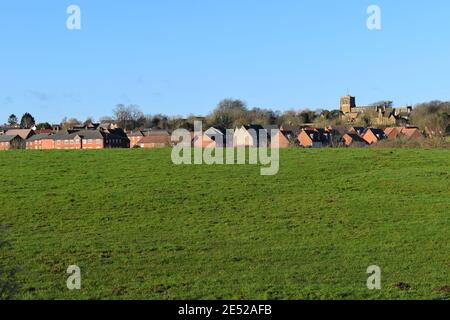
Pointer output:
183, 56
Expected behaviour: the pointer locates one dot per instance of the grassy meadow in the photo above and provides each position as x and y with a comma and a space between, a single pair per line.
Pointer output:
140, 227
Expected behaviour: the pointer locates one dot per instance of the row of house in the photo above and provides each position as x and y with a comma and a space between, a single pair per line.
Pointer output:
346, 136
91, 136
94, 136
287, 136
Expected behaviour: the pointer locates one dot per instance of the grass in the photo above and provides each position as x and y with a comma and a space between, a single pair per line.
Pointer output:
140, 227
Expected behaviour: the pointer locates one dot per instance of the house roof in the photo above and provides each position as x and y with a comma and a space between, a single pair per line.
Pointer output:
157, 133
215, 131
61, 135
342, 130
291, 136
404, 115
388, 131
289, 128
5, 138
356, 138
313, 134
84, 134
135, 133
358, 130
41, 136
89, 134
154, 139
409, 132
41, 131
118, 132
377, 132
23, 133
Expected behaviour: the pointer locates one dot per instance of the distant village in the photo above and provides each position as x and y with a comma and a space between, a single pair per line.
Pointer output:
391, 124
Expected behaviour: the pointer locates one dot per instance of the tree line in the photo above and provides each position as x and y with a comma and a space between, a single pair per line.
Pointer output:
432, 117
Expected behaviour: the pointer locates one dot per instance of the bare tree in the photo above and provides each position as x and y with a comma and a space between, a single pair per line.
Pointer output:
432, 117
67, 124
128, 117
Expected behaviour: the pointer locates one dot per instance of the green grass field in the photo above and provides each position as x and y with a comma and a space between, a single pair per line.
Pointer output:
140, 227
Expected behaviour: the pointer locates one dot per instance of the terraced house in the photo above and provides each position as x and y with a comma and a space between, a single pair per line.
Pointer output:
82, 139
42, 141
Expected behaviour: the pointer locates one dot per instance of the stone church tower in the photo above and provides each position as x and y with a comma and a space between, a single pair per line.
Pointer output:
347, 104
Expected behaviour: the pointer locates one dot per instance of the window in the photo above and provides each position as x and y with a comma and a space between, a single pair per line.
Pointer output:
77, 141
99, 141
84, 141
89, 140
66, 141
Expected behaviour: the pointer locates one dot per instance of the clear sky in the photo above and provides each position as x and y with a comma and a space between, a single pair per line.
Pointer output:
183, 56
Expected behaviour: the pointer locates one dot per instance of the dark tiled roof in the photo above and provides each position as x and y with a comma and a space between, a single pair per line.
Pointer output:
41, 131
89, 134
356, 138
61, 135
41, 136
292, 129
118, 132
4, 138
359, 130
314, 135
377, 132
342, 130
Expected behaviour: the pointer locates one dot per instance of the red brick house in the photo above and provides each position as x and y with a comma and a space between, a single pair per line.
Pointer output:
91, 139
155, 139
65, 140
40, 142
11, 142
